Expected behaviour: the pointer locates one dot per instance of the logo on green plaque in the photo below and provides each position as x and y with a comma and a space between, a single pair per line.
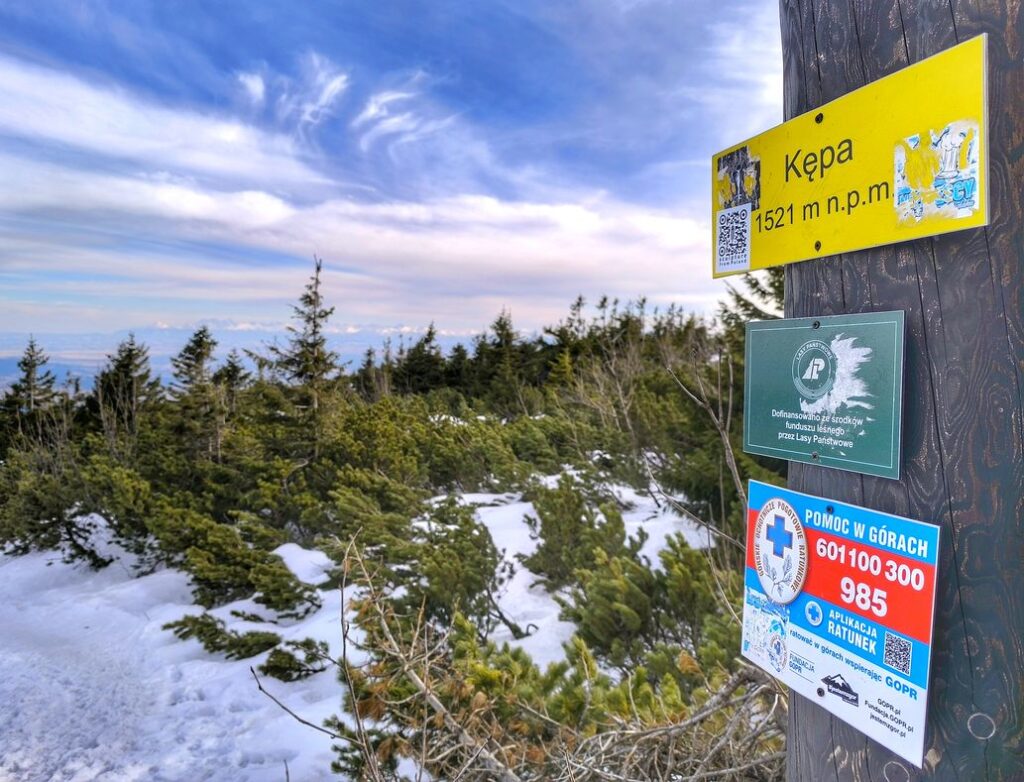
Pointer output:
826, 391
814, 369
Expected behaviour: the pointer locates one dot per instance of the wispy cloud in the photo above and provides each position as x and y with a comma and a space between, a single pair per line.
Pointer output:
417, 119
312, 98
396, 125
254, 87
746, 98
42, 106
377, 106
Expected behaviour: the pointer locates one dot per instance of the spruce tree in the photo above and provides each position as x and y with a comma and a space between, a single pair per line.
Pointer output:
192, 365
124, 390
560, 373
28, 397
306, 360
231, 377
498, 363
458, 370
193, 390
386, 377
421, 369
34, 390
366, 378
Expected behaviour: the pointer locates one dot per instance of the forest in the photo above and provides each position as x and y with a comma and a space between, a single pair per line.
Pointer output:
212, 469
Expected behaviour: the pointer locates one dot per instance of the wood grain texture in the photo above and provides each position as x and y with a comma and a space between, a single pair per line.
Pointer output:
963, 463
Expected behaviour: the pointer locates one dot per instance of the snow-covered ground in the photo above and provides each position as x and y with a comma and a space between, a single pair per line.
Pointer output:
524, 599
92, 687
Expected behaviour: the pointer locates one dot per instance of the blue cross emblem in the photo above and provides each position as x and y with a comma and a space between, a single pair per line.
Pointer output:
779, 537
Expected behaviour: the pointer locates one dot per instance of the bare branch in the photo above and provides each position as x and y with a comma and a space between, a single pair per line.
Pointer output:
292, 714
363, 739
490, 761
704, 403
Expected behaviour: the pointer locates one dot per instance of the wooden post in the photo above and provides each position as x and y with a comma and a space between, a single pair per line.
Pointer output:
963, 466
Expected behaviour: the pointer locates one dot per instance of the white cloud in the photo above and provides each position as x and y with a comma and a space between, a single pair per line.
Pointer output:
376, 106
254, 326
44, 106
398, 124
455, 260
413, 124
422, 130
254, 87
313, 99
32, 186
313, 111
744, 69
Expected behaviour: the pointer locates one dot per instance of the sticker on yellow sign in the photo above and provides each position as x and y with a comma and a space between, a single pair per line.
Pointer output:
901, 158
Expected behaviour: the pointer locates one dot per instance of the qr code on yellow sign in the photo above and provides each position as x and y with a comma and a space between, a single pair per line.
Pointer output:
732, 232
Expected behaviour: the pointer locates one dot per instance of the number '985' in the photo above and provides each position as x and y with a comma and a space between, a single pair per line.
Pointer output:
863, 596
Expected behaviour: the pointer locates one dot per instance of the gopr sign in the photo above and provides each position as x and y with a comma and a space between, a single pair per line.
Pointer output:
901, 158
826, 391
838, 604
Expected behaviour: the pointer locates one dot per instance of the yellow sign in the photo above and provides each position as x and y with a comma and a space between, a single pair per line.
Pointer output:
901, 158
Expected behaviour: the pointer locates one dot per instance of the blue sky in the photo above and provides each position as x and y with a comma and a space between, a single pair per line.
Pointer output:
169, 163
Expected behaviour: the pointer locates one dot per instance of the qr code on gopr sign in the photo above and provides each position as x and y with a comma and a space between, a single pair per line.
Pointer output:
732, 250
896, 653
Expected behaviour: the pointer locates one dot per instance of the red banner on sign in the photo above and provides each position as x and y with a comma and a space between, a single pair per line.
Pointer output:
900, 586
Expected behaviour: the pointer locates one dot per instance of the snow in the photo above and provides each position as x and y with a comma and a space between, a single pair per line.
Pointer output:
524, 599
93, 687
313, 567
658, 521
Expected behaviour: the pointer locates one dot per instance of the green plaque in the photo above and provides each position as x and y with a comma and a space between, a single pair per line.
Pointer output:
826, 391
